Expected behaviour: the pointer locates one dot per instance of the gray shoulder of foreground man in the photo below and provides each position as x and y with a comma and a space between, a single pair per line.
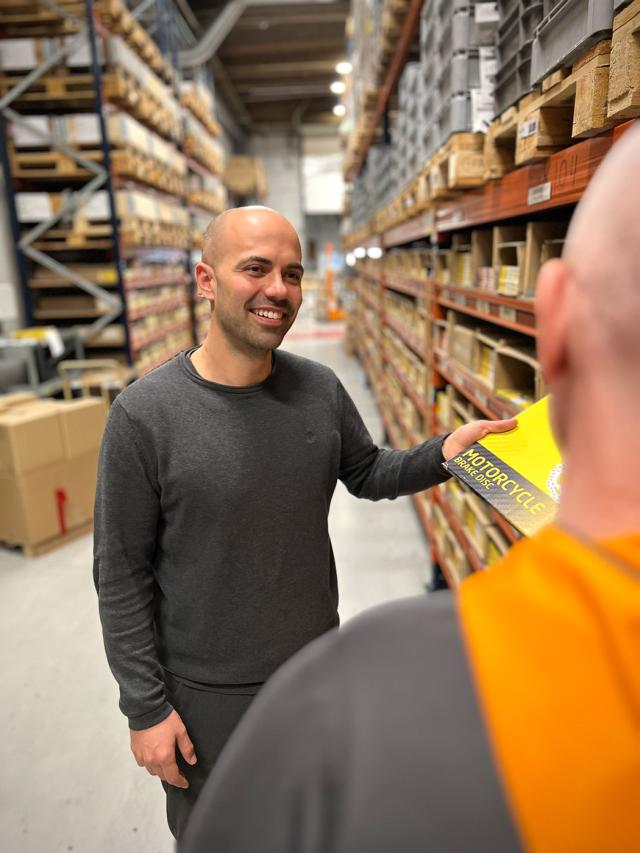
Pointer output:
367, 742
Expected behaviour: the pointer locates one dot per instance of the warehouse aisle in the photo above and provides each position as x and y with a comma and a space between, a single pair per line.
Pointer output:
70, 783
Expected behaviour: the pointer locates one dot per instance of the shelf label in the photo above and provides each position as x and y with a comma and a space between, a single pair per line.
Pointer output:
486, 13
527, 128
508, 313
537, 195
483, 306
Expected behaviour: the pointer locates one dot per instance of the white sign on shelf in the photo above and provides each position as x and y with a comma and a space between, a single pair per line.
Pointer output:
527, 128
537, 195
486, 13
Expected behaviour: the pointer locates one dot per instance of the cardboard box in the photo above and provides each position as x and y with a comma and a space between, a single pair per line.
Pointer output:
30, 438
8, 401
82, 423
49, 501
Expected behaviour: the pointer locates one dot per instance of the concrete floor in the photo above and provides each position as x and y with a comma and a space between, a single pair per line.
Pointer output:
69, 781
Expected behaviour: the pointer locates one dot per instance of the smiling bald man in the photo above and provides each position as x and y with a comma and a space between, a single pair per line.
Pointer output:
212, 557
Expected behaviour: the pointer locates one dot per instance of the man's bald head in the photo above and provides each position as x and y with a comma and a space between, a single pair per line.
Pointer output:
588, 302
603, 245
237, 220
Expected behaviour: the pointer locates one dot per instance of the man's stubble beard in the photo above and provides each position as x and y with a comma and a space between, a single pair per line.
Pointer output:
250, 341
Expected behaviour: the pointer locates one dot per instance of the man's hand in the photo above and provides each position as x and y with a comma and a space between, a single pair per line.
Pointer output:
468, 434
155, 749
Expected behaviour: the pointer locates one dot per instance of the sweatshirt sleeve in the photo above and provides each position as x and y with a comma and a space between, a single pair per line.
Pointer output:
372, 472
127, 512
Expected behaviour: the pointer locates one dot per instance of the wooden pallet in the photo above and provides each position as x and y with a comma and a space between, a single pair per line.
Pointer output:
84, 235
63, 89
127, 93
206, 200
53, 543
414, 199
624, 76
571, 104
119, 20
53, 165
50, 165
500, 139
140, 167
199, 109
30, 18
457, 165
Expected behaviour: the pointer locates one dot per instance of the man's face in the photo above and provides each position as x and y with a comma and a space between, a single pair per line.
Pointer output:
258, 284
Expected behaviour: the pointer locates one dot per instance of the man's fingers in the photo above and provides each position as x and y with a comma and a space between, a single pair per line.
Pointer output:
173, 776
186, 748
501, 426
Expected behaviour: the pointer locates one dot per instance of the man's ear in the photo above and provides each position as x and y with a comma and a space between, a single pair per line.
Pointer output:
206, 281
552, 290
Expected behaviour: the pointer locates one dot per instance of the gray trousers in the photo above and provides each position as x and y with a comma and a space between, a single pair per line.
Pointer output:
210, 716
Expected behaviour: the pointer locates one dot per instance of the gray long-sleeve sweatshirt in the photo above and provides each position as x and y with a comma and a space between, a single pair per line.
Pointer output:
212, 555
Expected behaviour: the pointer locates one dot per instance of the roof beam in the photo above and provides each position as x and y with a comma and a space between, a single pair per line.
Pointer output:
284, 69
229, 17
232, 50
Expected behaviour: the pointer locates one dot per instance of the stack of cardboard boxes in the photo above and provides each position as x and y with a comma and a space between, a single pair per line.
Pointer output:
48, 465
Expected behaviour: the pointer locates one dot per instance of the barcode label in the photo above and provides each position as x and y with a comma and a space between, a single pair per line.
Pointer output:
537, 195
527, 128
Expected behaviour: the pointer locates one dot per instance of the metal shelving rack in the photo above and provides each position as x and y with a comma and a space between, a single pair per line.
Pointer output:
113, 298
25, 249
538, 193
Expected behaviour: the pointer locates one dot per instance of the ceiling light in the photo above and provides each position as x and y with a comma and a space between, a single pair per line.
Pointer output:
344, 68
337, 87
375, 252
350, 259
339, 110
360, 252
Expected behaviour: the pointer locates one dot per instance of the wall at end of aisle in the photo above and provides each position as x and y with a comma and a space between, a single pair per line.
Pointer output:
11, 307
280, 151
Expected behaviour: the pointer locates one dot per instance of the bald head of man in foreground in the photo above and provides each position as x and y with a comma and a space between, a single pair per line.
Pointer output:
588, 313
503, 716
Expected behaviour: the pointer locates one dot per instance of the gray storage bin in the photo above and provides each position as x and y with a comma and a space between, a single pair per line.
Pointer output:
569, 29
454, 117
530, 17
512, 81
519, 19
482, 32
454, 33
459, 75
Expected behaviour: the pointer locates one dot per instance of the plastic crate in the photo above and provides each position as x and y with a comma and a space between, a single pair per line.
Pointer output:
454, 117
454, 33
569, 29
519, 19
459, 75
531, 14
484, 24
513, 81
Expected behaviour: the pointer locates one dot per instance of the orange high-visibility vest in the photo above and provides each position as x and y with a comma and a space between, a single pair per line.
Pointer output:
553, 639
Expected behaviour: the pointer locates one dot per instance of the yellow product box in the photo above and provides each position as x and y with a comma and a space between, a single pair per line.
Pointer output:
518, 472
